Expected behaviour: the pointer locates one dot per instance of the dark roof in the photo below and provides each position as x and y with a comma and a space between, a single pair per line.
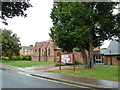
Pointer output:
113, 49
27, 47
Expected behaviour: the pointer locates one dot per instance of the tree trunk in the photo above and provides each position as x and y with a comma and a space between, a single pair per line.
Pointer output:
84, 57
90, 55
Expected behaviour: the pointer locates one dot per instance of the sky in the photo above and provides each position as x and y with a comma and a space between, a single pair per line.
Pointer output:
36, 26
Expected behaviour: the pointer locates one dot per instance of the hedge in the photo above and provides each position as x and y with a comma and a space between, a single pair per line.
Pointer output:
15, 58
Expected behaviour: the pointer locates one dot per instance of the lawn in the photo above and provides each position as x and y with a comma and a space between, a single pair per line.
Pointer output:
105, 72
25, 63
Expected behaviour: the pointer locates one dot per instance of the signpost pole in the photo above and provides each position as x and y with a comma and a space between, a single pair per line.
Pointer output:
60, 61
74, 62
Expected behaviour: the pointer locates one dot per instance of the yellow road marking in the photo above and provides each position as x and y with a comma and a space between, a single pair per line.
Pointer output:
62, 82
68, 84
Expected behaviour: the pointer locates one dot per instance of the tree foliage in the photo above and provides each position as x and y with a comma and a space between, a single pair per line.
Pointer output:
13, 9
10, 43
84, 25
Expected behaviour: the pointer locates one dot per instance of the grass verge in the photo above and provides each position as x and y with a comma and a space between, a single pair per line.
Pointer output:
105, 72
25, 63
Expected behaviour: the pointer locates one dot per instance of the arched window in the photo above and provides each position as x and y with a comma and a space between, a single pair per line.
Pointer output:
35, 50
42, 52
45, 52
49, 52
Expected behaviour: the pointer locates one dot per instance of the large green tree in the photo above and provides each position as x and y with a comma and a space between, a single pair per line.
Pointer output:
12, 8
10, 43
0, 43
84, 25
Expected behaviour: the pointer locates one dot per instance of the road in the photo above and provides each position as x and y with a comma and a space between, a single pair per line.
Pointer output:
20, 80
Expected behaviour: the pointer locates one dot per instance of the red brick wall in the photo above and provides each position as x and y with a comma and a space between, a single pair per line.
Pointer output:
46, 45
108, 62
35, 58
78, 56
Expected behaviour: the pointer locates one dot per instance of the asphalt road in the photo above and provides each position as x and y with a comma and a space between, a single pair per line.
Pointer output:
19, 80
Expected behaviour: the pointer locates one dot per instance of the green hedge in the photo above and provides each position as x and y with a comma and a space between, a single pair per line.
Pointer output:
15, 58
28, 58
5, 58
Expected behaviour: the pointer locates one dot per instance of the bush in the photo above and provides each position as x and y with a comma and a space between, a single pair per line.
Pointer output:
28, 58
16, 58
13, 58
57, 64
24, 57
5, 58
19, 57
77, 62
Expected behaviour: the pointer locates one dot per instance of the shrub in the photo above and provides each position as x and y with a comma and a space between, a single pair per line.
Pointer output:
13, 58
5, 58
19, 57
57, 64
28, 58
77, 62
24, 57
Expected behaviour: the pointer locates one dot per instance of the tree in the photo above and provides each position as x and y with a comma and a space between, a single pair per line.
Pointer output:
84, 25
10, 43
0, 44
12, 9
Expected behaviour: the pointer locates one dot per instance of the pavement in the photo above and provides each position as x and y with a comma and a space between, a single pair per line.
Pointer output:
38, 72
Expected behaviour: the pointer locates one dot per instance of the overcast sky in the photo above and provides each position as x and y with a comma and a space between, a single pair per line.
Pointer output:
36, 26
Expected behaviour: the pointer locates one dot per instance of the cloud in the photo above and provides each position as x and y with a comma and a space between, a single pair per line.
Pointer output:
35, 26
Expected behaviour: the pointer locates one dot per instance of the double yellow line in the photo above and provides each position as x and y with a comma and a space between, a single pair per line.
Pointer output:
68, 84
64, 83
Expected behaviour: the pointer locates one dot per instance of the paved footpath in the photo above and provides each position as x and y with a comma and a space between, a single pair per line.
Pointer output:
92, 82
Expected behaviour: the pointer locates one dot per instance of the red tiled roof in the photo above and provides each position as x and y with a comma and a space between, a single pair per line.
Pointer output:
97, 48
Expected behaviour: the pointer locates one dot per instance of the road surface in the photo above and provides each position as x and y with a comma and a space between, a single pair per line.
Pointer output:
21, 80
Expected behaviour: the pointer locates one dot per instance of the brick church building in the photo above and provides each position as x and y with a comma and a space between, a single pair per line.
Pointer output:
48, 51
